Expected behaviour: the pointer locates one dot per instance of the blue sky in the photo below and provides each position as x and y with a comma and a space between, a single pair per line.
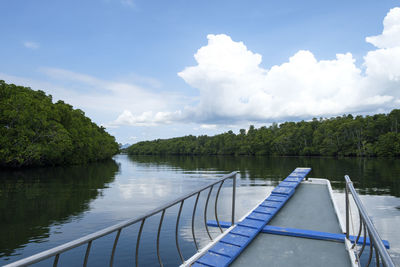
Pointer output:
158, 69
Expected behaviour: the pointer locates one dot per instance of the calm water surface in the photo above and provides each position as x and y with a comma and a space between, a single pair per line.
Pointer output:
45, 207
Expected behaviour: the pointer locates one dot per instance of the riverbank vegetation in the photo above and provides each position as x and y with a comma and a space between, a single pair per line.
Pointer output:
34, 131
377, 135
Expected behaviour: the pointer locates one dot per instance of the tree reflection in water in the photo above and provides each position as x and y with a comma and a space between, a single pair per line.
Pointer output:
33, 199
372, 176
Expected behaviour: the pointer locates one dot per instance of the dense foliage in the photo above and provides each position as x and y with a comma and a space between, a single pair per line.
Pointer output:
35, 131
32, 201
376, 135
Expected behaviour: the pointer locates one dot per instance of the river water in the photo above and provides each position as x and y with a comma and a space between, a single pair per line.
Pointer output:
44, 207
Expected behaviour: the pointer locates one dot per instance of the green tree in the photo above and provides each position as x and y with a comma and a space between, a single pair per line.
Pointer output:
36, 132
345, 135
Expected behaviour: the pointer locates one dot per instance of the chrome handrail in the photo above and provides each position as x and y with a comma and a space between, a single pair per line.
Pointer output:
376, 243
57, 251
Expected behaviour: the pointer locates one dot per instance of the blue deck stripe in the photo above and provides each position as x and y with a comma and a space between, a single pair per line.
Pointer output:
225, 249
234, 239
276, 230
282, 190
232, 244
214, 259
276, 198
244, 231
265, 210
196, 264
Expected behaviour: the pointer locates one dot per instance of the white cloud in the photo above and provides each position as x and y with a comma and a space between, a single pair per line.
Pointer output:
234, 88
383, 64
390, 36
31, 45
208, 126
148, 118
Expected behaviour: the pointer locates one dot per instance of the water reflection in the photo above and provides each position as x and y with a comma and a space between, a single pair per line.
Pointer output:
31, 200
371, 176
52, 206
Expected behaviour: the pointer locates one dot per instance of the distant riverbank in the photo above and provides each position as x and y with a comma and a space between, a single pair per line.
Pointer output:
345, 136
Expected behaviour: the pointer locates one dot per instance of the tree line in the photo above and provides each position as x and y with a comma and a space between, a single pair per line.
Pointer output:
34, 131
360, 136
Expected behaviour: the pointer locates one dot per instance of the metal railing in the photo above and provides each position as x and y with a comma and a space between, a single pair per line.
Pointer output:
88, 239
366, 226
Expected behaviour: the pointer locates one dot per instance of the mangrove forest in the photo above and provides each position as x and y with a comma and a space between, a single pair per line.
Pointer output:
364, 136
34, 131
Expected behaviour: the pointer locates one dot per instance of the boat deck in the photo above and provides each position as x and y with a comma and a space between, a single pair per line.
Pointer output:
296, 225
310, 208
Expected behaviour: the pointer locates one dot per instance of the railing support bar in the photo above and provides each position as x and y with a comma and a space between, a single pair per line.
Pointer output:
114, 247
89, 245
347, 210
176, 232
359, 231
216, 206
364, 241
56, 260
193, 216
233, 198
371, 247
138, 242
158, 239
205, 212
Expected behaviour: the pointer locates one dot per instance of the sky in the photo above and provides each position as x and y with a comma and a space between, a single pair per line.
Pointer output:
149, 69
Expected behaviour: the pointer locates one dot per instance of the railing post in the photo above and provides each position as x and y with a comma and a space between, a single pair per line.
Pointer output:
176, 231
233, 199
375, 240
347, 210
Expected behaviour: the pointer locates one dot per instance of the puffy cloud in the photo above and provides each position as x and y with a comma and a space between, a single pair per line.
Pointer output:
383, 64
233, 87
390, 36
